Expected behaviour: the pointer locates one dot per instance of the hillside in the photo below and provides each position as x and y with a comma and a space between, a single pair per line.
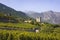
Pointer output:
7, 11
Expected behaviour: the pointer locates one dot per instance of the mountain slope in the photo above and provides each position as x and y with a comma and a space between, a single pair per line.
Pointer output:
49, 16
7, 11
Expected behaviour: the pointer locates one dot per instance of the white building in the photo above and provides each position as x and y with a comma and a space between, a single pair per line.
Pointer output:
38, 19
28, 21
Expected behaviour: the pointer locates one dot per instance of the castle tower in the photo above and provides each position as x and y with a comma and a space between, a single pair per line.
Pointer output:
38, 19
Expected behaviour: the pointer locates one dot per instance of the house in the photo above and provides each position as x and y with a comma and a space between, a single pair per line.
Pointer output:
28, 21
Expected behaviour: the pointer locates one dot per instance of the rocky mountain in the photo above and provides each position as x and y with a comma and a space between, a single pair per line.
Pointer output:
48, 16
7, 11
33, 14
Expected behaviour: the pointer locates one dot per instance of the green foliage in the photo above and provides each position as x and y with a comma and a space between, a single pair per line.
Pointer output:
19, 35
46, 27
47, 32
17, 25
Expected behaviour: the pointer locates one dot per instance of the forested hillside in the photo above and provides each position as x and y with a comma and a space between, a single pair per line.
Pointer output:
7, 11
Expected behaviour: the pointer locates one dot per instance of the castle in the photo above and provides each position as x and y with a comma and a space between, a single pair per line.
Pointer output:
38, 19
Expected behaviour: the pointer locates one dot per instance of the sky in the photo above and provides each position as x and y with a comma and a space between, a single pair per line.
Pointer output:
33, 5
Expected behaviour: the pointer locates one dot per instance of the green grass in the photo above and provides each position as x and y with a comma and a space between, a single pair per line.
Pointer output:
25, 35
19, 25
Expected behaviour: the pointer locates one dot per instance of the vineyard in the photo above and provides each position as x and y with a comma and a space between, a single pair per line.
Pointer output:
20, 31
19, 35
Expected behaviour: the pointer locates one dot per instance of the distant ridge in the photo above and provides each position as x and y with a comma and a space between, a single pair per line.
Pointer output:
48, 16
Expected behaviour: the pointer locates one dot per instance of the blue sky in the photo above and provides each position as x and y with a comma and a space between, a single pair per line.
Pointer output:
33, 5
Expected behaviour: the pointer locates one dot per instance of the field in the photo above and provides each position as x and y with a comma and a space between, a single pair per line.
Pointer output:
47, 31
18, 25
19, 35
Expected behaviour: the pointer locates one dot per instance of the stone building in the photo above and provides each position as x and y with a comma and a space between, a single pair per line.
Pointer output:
38, 19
